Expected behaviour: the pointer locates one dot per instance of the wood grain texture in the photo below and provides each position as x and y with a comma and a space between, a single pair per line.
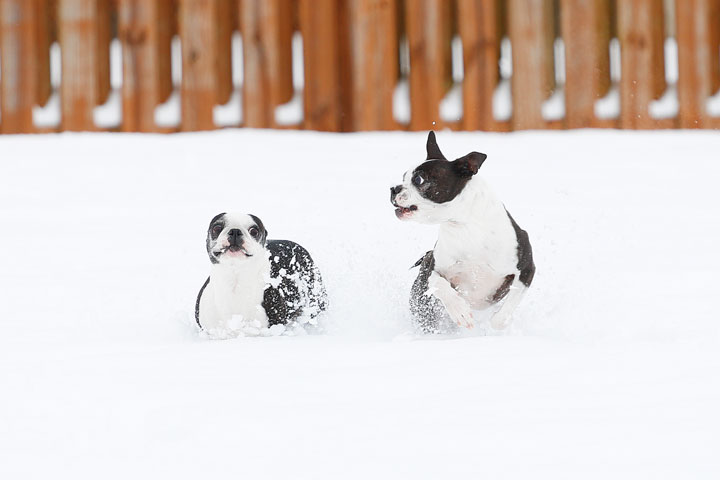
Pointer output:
199, 86
18, 82
532, 33
374, 63
696, 59
79, 90
585, 26
428, 34
479, 30
326, 93
642, 65
144, 32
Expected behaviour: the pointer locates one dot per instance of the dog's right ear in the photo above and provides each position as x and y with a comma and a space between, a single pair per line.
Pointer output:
433, 151
469, 165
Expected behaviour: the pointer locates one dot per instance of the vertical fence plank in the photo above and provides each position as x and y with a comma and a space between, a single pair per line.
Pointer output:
531, 27
17, 43
78, 21
198, 24
227, 20
640, 61
374, 63
695, 60
103, 38
478, 27
321, 28
143, 30
43, 39
714, 19
167, 27
265, 84
428, 35
585, 32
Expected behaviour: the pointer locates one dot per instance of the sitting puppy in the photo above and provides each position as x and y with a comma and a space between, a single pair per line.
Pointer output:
255, 283
481, 256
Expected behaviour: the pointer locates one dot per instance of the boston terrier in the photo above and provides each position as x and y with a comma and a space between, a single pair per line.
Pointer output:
481, 256
256, 283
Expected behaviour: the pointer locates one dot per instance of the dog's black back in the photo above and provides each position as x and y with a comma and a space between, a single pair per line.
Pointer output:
296, 286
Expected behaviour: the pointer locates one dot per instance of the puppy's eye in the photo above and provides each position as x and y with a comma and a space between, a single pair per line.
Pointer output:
254, 232
418, 180
216, 229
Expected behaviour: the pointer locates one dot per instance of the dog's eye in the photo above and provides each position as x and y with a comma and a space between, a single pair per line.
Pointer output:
418, 180
216, 229
254, 232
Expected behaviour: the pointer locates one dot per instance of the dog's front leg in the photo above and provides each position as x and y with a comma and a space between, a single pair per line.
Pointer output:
457, 307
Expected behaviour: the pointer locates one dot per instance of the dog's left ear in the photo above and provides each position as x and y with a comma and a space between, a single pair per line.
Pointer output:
433, 151
263, 230
469, 165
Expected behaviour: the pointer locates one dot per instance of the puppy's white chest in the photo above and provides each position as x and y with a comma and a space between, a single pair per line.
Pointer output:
232, 301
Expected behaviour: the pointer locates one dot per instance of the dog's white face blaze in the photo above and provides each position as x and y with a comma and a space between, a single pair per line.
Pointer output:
252, 239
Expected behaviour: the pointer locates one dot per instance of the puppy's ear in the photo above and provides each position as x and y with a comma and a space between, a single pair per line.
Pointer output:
469, 165
433, 151
263, 230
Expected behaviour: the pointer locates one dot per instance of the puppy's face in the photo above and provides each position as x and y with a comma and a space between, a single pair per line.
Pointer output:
233, 238
429, 191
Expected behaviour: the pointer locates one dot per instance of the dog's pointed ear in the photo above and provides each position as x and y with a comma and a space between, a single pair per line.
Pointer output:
263, 230
469, 165
433, 151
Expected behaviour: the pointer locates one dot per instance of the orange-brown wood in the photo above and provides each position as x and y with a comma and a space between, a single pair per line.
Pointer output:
266, 70
641, 62
585, 33
199, 73
43, 38
374, 63
428, 36
714, 19
532, 32
480, 35
144, 31
79, 91
103, 37
696, 58
225, 23
167, 28
17, 49
321, 24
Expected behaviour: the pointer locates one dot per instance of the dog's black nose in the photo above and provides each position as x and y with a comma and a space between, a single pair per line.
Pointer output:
394, 191
234, 236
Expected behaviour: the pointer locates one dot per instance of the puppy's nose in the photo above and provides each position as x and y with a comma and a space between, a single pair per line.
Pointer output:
394, 191
234, 236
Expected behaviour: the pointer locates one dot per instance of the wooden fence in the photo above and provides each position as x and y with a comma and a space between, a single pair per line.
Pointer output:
350, 65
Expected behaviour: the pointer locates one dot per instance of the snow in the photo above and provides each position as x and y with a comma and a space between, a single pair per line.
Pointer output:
610, 371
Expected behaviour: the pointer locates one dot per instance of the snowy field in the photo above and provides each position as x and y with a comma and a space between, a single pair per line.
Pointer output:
611, 370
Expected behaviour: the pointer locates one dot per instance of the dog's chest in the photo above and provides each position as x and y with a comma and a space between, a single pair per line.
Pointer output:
240, 291
476, 261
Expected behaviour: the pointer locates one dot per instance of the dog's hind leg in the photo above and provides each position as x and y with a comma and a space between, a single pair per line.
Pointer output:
502, 318
427, 311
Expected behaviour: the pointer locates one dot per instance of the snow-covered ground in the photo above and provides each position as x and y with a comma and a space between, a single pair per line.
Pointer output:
612, 369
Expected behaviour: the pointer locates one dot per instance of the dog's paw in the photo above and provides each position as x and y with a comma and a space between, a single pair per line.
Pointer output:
460, 312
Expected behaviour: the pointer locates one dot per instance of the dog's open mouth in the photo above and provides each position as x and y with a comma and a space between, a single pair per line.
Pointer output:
233, 251
404, 211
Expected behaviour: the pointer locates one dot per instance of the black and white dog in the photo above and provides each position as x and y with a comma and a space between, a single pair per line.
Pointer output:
255, 283
481, 256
